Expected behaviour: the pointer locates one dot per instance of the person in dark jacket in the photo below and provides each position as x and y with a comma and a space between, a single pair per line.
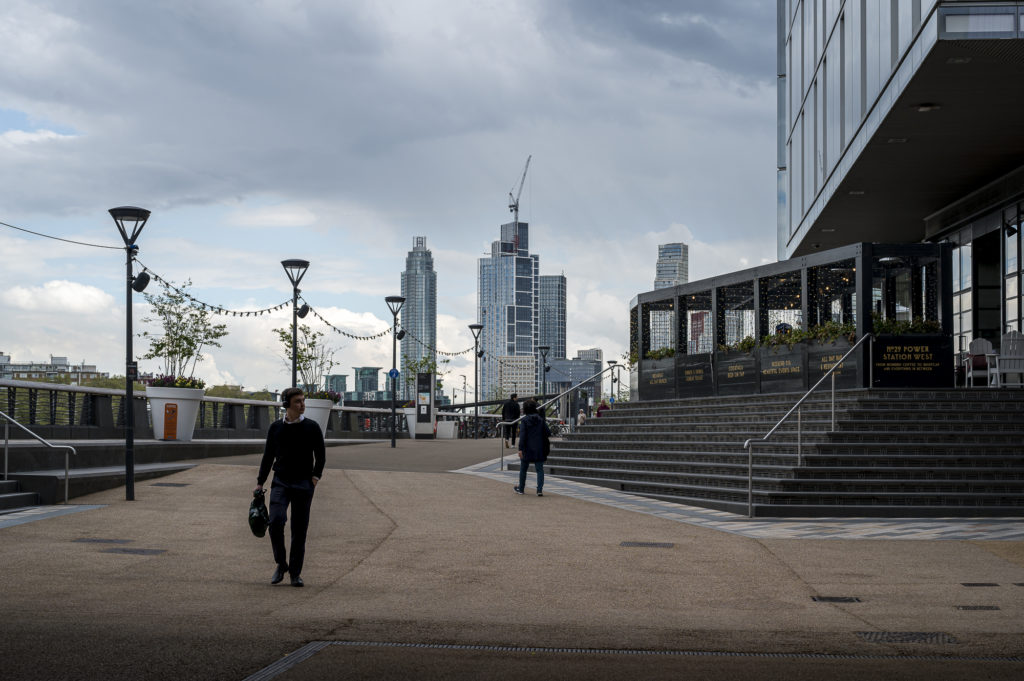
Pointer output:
534, 436
295, 449
510, 412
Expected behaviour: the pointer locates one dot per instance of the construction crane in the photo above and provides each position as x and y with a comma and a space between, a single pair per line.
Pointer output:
513, 202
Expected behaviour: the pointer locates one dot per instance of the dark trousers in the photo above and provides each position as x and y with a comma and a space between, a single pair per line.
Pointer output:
511, 432
300, 495
537, 466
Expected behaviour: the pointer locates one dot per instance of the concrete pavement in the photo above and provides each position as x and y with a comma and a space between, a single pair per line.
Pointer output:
411, 554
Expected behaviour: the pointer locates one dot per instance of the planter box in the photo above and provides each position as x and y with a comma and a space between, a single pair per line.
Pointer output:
694, 375
822, 356
174, 412
658, 379
319, 411
783, 370
913, 361
736, 373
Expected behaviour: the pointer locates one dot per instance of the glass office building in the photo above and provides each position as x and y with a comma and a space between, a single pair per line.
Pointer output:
551, 314
419, 313
899, 122
672, 269
508, 283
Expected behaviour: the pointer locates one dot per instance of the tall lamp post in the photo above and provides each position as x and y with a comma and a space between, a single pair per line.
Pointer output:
611, 375
476, 329
130, 221
296, 269
543, 372
395, 305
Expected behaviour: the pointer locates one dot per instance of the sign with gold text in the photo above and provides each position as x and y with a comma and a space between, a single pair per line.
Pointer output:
736, 373
913, 361
783, 370
822, 357
658, 379
694, 377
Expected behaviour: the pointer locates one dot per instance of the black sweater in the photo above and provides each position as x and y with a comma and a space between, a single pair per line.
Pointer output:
296, 451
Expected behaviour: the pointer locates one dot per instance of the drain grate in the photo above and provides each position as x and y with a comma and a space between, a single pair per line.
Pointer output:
906, 637
170, 484
1018, 583
136, 552
647, 544
978, 584
98, 540
977, 607
836, 599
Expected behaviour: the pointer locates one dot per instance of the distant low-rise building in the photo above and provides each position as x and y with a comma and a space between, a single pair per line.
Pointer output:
58, 368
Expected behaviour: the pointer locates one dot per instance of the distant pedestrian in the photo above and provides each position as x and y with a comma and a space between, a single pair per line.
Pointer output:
534, 443
581, 418
295, 449
602, 407
510, 412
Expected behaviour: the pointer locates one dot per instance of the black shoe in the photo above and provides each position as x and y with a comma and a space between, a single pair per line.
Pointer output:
297, 581
539, 493
278, 575
517, 490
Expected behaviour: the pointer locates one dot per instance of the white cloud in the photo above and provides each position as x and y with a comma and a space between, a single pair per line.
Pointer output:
16, 138
60, 296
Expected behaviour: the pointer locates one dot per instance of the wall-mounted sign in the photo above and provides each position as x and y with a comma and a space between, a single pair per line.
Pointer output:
913, 361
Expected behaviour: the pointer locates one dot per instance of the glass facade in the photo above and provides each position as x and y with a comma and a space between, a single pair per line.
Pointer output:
419, 313
836, 60
508, 302
551, 314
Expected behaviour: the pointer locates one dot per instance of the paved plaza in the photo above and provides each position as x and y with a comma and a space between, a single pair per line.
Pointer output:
422, 563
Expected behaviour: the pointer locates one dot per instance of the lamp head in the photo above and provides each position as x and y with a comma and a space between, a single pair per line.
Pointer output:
129, 220
295, 269
476, 329
395, 304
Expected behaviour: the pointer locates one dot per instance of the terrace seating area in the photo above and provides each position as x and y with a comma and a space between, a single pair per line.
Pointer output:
998, 368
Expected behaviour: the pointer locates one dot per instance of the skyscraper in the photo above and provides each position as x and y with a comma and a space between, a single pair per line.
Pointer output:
673, 269
419, 314
551, 314
507, 304
673, 266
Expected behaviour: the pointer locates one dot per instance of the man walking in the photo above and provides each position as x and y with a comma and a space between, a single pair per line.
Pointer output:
295, 449
510, 412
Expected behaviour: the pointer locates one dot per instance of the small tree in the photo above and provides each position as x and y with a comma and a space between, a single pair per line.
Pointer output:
186, 331
314, 357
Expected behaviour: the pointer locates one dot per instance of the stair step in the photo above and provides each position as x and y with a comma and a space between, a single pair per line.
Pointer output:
16, 500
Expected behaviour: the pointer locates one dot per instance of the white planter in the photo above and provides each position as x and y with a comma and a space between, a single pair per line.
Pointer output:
410, 420
177, 408
319, 411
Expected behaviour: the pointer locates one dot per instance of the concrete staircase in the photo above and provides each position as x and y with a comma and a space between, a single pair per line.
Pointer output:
910, 453
13, 498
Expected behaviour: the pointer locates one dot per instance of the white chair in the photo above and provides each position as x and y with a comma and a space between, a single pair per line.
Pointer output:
981, 360
1010, 361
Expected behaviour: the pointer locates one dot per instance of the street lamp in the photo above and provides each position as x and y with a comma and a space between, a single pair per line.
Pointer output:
476, 329
395, 305
543, 371
296, 269
130, 221
611, 375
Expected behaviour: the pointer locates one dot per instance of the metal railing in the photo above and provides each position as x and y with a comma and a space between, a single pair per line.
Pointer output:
67, 459
749, 444
540, 408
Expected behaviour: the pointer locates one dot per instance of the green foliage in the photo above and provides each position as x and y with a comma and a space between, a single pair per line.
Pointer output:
324, 395
424, 365
186, 331
898, 327
661, 353
831, 331
748, 345
178, 382
314, 357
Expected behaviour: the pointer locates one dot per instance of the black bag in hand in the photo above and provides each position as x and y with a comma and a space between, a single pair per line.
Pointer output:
259, 518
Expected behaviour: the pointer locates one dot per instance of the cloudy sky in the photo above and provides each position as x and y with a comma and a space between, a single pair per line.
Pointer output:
336, 131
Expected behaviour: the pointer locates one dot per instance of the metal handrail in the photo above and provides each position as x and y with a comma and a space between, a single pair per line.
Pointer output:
67, 462
542, 407
749, 444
